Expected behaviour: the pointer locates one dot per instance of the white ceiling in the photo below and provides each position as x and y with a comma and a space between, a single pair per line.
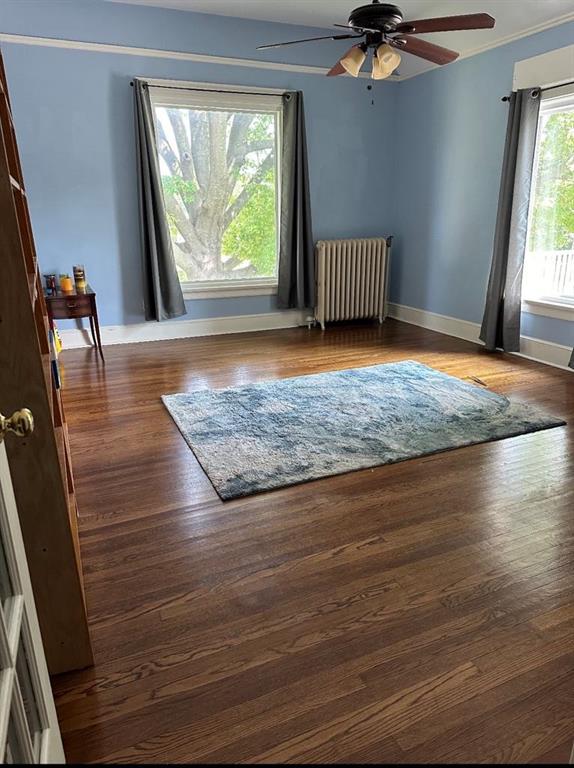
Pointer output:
513, 17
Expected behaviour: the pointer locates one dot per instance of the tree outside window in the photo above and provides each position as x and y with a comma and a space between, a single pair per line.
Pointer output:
219, 176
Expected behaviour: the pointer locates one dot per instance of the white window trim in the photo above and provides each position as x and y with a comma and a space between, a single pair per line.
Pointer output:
183, 84
228, 289
219, 289
545, 70
555, 99
549, 306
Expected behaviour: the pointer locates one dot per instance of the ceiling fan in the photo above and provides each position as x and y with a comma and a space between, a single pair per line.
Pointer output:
385, 33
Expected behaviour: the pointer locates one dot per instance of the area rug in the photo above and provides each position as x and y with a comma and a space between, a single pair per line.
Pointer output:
277, 433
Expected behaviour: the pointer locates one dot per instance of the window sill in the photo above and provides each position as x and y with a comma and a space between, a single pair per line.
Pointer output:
233, 290
547, 308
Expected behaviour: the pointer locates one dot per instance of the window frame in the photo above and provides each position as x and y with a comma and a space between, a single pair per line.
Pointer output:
243, 98
552, 101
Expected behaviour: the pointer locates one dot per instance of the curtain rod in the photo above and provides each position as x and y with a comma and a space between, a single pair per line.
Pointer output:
543, 90
211, 90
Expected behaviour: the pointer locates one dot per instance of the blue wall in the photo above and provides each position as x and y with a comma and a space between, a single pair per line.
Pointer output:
74, 116
450, 144
422, 163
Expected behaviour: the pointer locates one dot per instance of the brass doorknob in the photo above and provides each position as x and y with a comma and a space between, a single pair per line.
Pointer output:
21, 423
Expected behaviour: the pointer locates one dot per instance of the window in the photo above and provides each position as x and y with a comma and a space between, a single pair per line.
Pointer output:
549, 261
219, 162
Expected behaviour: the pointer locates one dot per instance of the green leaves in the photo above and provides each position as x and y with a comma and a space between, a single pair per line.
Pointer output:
251, 234
177, 185
552, 216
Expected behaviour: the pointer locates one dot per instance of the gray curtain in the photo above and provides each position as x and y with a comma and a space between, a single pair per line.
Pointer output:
501, 321
163, 298
296, 288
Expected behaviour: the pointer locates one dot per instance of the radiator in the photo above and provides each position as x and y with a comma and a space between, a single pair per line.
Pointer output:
352, 278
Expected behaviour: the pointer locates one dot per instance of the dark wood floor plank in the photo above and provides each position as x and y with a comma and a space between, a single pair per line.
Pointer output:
367, 617
440, 734
559, 755
521, 729
384, 718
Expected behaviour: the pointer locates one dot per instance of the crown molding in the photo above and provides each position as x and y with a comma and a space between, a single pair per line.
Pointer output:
206, 58
160, 53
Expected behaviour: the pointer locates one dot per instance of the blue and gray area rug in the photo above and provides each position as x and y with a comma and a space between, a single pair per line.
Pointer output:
277, 433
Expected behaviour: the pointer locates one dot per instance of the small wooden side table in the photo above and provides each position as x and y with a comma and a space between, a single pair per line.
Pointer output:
73, 305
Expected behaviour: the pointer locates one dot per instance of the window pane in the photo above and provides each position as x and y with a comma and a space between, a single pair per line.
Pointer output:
549, 268
29, 698
6, 589
218, 172
15, 753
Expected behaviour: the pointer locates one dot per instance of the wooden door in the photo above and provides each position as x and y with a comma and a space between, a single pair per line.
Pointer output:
41, 466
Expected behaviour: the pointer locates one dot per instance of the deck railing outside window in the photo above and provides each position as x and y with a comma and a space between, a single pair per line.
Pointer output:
549, 275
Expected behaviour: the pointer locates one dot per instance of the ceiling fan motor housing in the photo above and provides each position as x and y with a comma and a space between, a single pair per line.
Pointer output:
383, 16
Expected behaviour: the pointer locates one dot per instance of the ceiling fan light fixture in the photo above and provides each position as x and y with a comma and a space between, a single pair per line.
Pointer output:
354, 60
388, 59
377, 72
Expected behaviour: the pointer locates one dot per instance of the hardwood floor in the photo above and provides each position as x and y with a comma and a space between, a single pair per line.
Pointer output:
417, 612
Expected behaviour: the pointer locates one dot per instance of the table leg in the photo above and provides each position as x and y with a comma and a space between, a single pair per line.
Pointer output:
98, 337
93, 331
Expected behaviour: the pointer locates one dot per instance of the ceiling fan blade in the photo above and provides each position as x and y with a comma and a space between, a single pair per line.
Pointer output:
447, 24
307, 40
435, 53
338, 68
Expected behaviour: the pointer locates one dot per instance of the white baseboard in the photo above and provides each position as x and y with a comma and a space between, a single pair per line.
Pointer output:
450, 326
545, 352
183, 329
530, 348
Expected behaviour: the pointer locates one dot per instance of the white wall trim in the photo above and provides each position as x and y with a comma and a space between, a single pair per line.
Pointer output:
160, 53
533, 349
548, 309
79, 45
545, 352
226, 289
158, 82
450, 326
545, 70
191, 294
538, 350
182, 329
